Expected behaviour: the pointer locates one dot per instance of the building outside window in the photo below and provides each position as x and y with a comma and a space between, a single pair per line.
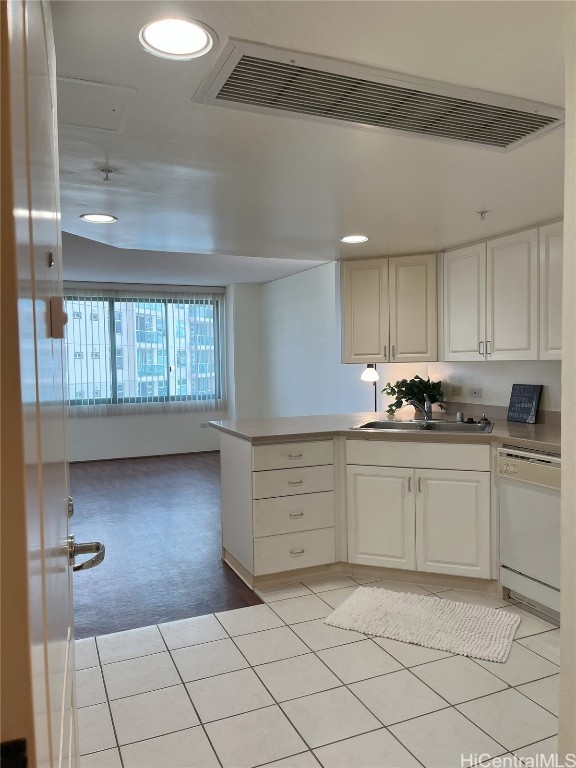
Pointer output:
145, 349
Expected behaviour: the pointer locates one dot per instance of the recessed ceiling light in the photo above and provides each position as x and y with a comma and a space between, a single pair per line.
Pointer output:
98, 218
179, 39
354, 239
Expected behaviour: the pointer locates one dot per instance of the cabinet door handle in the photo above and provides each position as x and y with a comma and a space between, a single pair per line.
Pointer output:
295, 455
295, 482
296, 514
296, 552
409, 485
419, 485
488, 347
385, 352
481, 348
393, 352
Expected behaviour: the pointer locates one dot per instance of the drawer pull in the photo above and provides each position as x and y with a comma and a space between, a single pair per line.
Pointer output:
295, 455
296, 552
295, 482
296, 514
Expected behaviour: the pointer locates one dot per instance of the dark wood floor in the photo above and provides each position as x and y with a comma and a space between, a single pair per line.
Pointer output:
159, 519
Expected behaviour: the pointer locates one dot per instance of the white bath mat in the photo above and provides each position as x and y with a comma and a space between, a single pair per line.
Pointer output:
463, 628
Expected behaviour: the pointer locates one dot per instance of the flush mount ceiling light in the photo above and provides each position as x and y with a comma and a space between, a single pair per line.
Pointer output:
354, 239
178, 39
98, 218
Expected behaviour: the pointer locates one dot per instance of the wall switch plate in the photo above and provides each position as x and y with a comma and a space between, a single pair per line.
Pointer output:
455, 390
476, 391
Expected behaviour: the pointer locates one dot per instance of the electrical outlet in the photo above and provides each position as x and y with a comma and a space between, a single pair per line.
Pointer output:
476, 391
456, 391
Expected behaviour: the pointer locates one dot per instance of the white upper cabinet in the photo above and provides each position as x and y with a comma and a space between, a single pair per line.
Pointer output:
389, 310
490, 299
413, 326
512, 297
551, 243
465, 303
365, 314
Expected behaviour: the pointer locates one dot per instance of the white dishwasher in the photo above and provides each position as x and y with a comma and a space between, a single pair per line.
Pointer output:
529, 491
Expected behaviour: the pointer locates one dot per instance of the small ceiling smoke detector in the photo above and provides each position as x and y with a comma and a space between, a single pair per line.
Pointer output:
99, 218
354, 239
177, 39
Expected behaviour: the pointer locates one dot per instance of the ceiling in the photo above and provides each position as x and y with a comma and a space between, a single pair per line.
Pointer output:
219, 195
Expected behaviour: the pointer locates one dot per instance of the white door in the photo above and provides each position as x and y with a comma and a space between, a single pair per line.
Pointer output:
551, 249
453, 522
465, 303
512, 297
381, 516
31, 253
413, 322
365, 312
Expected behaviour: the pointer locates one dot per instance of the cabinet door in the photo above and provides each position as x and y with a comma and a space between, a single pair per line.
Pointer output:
381, 516
512, 297
413, 321
453, 522
551, 240
465, 303
365, 328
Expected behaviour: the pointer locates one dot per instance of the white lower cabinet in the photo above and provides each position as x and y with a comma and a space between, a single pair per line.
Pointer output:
381, 516
433, 520
453, 522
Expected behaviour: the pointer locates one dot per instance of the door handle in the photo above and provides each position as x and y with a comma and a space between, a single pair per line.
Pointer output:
481, 348
70, 506
295, 455
393, 351
419, 485
488, 347
296, 514
86, 548
409, 485
295, 482
385, 350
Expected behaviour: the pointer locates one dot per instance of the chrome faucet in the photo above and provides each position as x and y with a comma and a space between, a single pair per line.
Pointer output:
426, 410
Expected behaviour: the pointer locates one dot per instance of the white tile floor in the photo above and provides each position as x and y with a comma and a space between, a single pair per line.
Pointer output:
273, 685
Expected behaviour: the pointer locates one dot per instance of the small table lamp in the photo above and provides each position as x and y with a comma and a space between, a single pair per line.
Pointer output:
371, 374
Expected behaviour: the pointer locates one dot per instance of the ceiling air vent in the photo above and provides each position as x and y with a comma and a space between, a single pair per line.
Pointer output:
259, 78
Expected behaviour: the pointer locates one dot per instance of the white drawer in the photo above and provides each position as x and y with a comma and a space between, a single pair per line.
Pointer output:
289, 514
286, 455
273, 554
431, 456
287, 482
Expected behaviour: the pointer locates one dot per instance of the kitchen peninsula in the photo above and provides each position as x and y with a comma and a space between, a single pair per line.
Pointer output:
310, 492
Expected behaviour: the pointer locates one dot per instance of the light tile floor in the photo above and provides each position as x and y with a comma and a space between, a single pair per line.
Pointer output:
272, 685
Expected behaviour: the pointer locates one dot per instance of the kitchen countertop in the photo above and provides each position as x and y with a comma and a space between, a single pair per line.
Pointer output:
542, 437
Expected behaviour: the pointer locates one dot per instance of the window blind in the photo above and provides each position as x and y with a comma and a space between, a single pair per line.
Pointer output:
136, 351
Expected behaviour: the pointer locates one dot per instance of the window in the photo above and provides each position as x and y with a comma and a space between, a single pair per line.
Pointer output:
145, 349
145, 388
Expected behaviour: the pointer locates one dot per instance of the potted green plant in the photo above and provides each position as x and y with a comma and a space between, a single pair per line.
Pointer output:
415, 390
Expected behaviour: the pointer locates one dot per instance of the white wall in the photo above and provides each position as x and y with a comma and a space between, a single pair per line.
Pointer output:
113, 437
302, 368
244, 351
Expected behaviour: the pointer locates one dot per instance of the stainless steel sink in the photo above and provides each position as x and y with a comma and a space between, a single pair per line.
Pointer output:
424, 426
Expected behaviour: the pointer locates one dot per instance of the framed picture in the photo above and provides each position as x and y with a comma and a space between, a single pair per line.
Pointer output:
524, 402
